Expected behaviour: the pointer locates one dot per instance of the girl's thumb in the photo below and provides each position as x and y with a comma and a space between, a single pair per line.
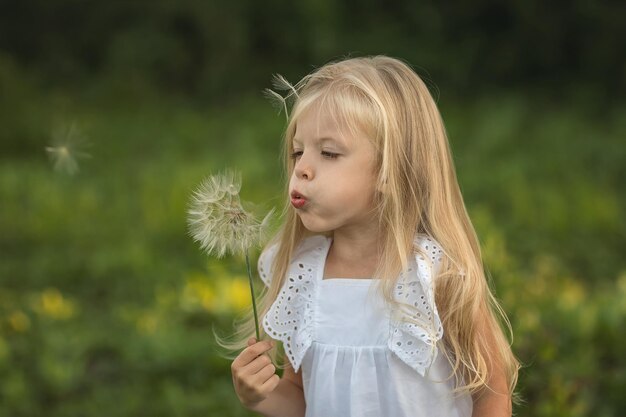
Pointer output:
251, 341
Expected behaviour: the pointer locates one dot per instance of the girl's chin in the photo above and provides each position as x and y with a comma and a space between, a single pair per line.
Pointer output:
313, 226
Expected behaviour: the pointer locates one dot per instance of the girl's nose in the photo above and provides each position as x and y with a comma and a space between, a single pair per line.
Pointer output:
303, 170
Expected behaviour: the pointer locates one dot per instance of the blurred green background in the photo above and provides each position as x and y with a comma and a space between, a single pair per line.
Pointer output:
107, 306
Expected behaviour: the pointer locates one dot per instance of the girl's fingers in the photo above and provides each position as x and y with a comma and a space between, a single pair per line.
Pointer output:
251, 353
264, 374
256, 365
270, 384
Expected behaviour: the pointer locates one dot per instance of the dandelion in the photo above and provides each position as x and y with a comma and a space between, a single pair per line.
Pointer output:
218, 221
67, 147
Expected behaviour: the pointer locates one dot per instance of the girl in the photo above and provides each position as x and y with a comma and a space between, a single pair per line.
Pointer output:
375, 284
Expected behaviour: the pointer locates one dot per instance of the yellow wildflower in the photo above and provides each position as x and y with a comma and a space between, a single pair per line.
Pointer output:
19, 321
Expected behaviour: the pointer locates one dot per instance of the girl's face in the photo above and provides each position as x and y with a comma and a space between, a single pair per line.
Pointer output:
333, 182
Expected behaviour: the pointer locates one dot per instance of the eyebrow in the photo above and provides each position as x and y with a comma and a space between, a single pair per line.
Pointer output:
323, 140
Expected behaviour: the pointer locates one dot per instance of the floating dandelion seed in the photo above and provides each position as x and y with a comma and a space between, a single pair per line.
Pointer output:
217, 221
67, 147
279, 101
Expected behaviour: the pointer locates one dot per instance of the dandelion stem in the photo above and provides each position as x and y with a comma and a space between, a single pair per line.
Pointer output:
256, 318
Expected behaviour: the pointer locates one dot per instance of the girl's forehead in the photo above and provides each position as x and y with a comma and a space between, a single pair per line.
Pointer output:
319, 124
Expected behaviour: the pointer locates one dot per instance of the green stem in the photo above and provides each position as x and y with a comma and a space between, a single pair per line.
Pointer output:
256, 317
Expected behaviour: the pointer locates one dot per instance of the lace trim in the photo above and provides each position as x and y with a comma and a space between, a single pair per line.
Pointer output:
415, 334
265, 263
290, 318
414, 331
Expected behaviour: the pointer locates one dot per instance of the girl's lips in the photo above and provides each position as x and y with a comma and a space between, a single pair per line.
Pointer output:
298, 202
297, 199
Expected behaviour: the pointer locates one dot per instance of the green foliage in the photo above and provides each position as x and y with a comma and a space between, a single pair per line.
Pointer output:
216, 49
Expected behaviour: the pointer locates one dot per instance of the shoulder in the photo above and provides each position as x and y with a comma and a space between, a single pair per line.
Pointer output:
305, 248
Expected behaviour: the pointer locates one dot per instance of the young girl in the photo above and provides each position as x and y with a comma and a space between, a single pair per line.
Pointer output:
375, 284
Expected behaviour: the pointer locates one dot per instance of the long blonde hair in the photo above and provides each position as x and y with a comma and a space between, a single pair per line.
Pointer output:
383, 99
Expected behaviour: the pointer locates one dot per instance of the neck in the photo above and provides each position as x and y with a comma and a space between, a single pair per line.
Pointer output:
349, 248
353, 253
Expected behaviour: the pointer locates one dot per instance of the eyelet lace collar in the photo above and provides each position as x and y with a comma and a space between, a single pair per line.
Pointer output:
414, 329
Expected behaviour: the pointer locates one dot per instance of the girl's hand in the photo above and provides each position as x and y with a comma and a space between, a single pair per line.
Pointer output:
253, 373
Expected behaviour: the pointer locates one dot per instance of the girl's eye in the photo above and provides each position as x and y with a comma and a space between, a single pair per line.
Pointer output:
325, 154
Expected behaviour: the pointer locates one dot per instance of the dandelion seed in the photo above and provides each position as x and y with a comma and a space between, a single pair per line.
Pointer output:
67, 147
279, 101
218, 221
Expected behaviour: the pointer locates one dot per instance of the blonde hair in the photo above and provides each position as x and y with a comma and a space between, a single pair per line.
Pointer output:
383, 99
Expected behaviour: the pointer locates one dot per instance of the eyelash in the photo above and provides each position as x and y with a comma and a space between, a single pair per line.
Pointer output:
329, 155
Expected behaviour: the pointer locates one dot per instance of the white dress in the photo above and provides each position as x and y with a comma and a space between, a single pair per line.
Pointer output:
357, 357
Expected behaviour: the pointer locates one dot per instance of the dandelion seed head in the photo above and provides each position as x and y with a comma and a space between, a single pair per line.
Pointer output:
67, 148
217, 219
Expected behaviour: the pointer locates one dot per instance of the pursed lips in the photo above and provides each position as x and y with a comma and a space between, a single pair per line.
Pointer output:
298, 200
